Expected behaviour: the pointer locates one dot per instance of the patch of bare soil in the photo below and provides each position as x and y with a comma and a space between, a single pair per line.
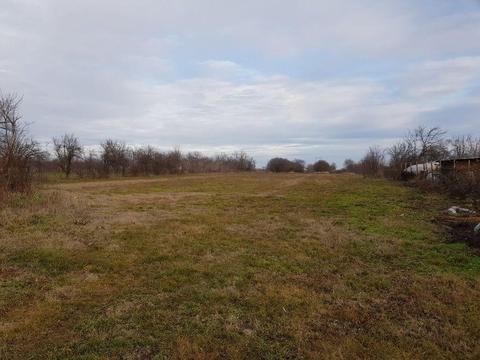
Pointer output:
10, 272
463, 232
461, 229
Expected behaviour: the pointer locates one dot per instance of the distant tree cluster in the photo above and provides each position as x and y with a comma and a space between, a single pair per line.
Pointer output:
115, 158
285, 165
298, 166
322, 166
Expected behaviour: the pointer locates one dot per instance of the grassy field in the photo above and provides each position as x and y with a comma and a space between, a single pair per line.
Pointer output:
240, 266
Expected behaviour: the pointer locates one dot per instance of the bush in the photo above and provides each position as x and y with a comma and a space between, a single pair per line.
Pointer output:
285, 165
461, 185
322, 166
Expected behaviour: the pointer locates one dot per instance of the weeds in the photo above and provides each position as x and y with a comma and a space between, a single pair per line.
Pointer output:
234, 266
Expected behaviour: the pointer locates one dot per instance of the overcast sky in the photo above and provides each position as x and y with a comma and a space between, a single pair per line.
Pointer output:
299, 79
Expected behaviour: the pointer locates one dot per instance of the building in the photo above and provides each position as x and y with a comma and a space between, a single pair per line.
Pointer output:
433, 170
470, 166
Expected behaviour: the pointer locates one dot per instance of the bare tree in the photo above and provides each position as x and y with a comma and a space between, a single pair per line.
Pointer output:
195, 162
350, 165
174, 161
373, 162
143, 161
401, 153
427, 144
17, 151
464, 146
243, 162
67, 148
89, 165
418, 146
114, 156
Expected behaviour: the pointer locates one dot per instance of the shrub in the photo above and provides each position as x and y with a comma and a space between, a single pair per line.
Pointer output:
461, 185
321, 166
285, 165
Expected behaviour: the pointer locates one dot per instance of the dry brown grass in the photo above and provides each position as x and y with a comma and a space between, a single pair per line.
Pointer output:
234, 266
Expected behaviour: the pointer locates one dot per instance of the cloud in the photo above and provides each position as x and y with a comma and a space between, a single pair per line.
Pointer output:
267, 112
218, 75
102, 28
441, 79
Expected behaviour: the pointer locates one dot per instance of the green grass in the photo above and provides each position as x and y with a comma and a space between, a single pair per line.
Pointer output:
234, 266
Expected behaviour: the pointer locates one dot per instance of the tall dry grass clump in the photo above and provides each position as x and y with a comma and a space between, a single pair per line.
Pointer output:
58, 206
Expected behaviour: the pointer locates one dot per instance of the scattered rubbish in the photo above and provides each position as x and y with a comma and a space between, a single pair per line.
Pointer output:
458, 211
463, 233
477, 229
463, 225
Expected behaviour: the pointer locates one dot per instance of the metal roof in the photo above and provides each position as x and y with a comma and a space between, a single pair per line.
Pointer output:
460, 159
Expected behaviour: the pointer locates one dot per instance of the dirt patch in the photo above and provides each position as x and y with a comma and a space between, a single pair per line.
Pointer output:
10, 272
463, 233
461, 229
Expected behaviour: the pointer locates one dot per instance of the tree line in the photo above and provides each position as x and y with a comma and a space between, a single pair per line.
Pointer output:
118, 159
22, 158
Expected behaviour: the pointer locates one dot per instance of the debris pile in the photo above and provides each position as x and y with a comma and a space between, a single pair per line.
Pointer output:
477, 230
463, 225
458, 211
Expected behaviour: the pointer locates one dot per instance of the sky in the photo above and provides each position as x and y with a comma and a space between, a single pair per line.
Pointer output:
298, 79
